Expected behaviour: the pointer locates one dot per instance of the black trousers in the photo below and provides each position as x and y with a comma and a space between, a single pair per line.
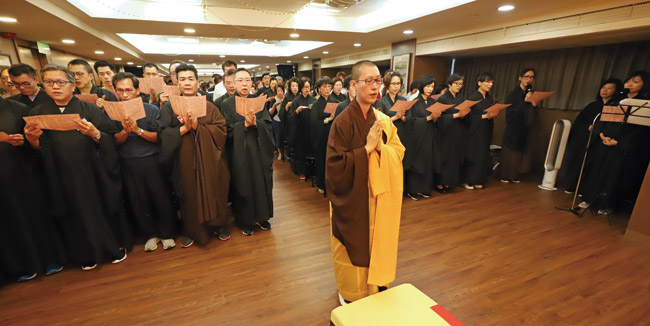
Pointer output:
148, 195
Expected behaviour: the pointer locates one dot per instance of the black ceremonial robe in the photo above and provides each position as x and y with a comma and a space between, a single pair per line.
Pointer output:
41, 97
419, 154
476, 159
110, 96
302, 134
250, 151
320, 134
449, 135
85, 184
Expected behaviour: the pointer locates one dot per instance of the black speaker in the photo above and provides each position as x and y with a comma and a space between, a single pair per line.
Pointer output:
286, 71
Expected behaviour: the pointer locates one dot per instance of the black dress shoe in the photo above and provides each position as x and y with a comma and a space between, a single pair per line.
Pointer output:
440, 190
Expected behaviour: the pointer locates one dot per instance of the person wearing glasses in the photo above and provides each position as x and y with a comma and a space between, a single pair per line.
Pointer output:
450, 133
79, 166
299, 113
365, 188
288, 124
515, 137
24, 78
337, 90
10, 89
476, 159
419, 160
84, 77
146, 187
193, 156
250, 144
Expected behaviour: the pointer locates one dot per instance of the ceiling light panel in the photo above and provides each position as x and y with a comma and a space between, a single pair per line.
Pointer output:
160, 44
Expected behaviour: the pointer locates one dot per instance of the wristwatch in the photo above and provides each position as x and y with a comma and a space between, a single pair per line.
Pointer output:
141, 131
99, 135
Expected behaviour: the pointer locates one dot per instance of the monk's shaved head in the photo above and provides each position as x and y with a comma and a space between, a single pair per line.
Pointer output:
358, 67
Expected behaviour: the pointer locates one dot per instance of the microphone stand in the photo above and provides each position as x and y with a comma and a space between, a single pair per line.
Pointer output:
574, 209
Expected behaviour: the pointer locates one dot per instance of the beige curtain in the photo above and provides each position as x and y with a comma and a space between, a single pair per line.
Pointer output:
574, 74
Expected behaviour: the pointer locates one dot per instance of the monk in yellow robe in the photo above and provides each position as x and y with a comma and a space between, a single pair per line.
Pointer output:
364, 184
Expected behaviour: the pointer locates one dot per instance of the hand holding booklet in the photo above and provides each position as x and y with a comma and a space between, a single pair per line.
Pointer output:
402, 105
90, 98
182, 105
133, 109
155, 83
60, 122
538, 96
495, 109
466, 106
331, 108
243, 105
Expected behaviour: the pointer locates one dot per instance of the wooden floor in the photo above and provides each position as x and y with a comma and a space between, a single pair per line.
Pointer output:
498, 256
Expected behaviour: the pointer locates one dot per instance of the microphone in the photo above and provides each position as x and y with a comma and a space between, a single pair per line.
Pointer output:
529, 88
624, 92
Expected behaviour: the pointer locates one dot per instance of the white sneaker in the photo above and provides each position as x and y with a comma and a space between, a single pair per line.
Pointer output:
119, 260
603, 212
168, 244
88, 267
279, 157
151, 244
583, 204
468, 187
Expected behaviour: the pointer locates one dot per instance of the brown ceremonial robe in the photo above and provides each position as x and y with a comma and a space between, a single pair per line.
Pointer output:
198, 167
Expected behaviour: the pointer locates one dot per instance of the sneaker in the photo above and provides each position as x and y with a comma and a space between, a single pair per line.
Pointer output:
515, 181
119, 260
570, 192
423, 195
603, 212
264, 225
223, 233
279, 157
302, 177
26, 278
88, 267
321, 190
583, 204
505, 180
168, 244
53, 269
247, 231
414, 197
187, 242
468, 187
382, 288
151, 244
343, 301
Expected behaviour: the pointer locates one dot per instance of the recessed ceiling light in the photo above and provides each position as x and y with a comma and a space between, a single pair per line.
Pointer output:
242, 61
99, 52
326, 52
68, 41
118, 59
8, 20
408, 31
129, 63
357, 44
139, 66
288, 61
294, 35
189, 30
506, 8
222, 56
214, 63
306, 57
190, 60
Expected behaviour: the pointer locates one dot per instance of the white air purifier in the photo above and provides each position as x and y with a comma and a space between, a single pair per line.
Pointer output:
555, 153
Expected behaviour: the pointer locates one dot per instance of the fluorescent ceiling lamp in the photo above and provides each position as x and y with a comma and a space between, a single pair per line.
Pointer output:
190, 60
68, 41
190, 45
326, 52
357, 44
118, 59
189, 30
392, 12
294, 35
8, 20
222, 56
408, 31
99, 52
506, 8
129, 63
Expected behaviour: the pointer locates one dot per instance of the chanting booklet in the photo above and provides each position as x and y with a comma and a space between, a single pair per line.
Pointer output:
438, 108
243, 105
466, 106
496, 108
402, 105
539, 96
118, 111
90, 98
436, 97
331, 108
182, 105
60, 122
171, 90
155, 83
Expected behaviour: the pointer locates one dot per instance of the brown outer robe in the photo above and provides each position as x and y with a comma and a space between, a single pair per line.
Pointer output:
203, 167
346, 179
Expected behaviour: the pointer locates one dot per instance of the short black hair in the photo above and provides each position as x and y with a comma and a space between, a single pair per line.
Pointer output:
266, 74
301, 83
617, 83
346, 82
228, 63
646, 80
414, 85
126, 75
186, 67
81, 62
525, 70
279, 86
228, 74
425, 80
104, 63
20, 68
149, 65
293, 80
337, 79
484, 77
323, 81
454, 78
